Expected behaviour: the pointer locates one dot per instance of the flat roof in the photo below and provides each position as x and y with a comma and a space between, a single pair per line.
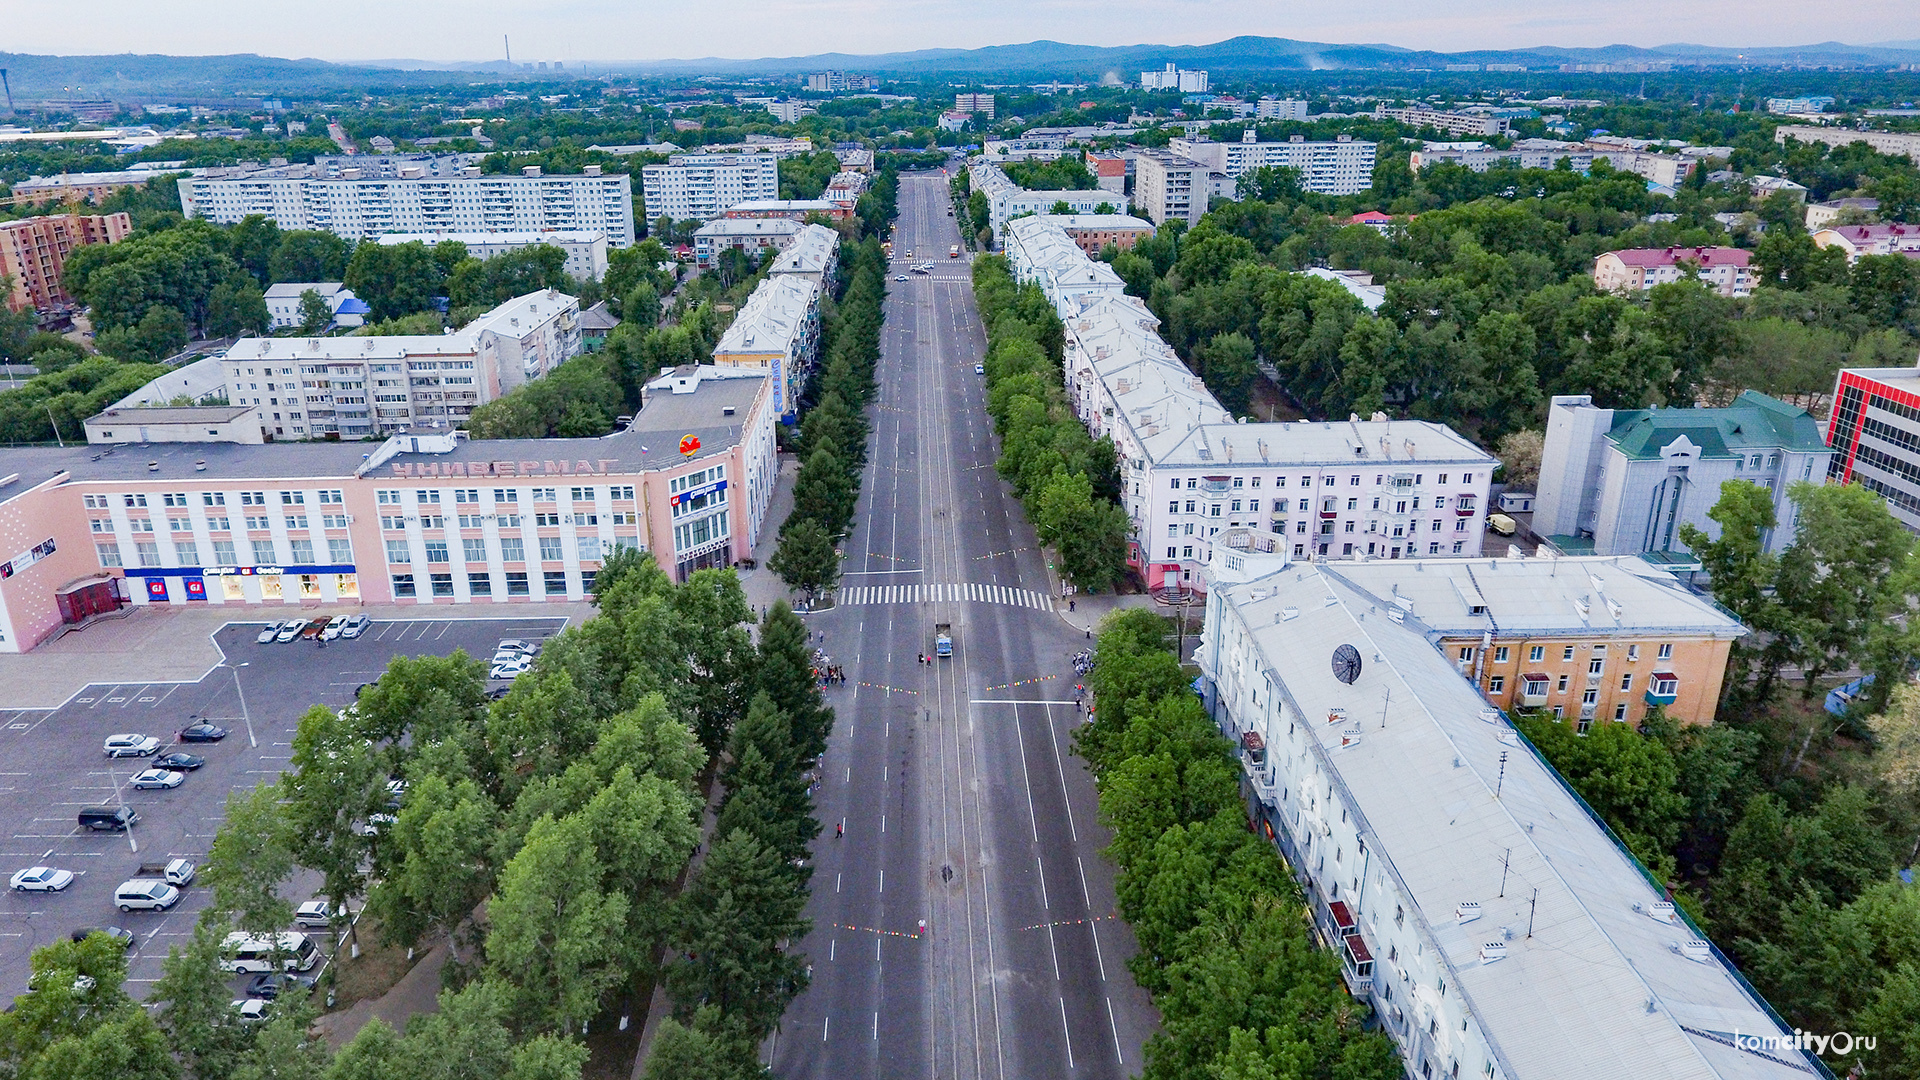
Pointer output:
172, 414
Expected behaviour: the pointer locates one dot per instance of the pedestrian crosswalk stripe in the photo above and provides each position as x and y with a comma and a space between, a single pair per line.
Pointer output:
954, 592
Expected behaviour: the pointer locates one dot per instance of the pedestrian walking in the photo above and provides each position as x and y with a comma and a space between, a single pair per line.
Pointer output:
839, 829
1069, 605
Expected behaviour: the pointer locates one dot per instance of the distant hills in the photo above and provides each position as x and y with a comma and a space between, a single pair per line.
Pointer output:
135, 76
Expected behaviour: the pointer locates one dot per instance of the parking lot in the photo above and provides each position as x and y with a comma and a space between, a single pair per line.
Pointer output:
52, 765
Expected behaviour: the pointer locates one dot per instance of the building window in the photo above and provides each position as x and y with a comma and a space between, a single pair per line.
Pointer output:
1590, 696
480, 584
1666, 652
1500, 654
512, 549
556, 582
302, 552
427, 497
1633, 653
330, 497
134, 500
506, 495
1620, 712
442, 584
474, 548
264, 553
188, 551
1626, 681
1496, 684
589, 548
550, 549
1561, 685
1595, 665
398, 551
517, 583
466, 495
253, 498
436, 551
223, 553
293, 498
340, 550
403, 585
1466, 654
1566, 654
149, 553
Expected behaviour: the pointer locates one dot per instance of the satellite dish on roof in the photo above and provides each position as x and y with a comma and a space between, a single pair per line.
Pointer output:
1346, 664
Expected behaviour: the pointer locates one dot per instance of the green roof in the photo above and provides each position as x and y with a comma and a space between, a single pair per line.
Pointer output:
1753, 422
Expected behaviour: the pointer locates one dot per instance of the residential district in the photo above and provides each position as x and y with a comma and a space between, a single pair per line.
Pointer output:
1399, 583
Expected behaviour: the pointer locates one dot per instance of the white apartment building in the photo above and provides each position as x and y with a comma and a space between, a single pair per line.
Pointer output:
353, 204
704, 186
1348, 489
1006, 199
1667, 170
980, 104
1167, 186
1340, 167
1490, 921
1172, 78
1887, 142
778, 329
755, 236
283, 303
586, 251
1280, 109
1453, 123
353, 387
814, 254
790, 112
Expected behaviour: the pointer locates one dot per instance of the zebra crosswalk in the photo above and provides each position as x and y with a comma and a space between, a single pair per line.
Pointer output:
960, 592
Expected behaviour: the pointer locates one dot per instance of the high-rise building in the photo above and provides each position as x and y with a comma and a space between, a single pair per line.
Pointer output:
704, 186
1341, 166
979, 104
1172, 78
1167, 186
33, 252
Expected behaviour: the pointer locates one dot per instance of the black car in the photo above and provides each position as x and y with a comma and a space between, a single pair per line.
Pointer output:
202, 733
178, 761
267, 985
123, 936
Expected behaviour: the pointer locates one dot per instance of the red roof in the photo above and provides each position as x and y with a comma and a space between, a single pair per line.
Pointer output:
1705, 256
1370, 217
1874, 232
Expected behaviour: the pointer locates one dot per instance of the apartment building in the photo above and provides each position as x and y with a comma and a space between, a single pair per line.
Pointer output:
1725, 270
586, 251
353, 387
792, 209
1667, 170
1790, 106
778, 329
835, 82
1453, 123
34, 250
1858, 240
1623, 481
1886, 142
978, 104
283, 304
1007, 200
1093, 232
755, 236
1336, 490
1485, 916
402, 195
814, 254
704, 186
1875, 436
1168, 187
424, 519
84, 187
790, 112
1173, 78
1340, 167
1588, 638
1280, 109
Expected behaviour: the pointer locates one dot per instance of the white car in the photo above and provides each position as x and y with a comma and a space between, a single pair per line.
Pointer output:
518, 645
376, 824
355, 626
334, 630
315, 915
509, 669
290, 630
158, 778
252, 1010
268, 634
118, 746
41, 879
979, 369
899, 277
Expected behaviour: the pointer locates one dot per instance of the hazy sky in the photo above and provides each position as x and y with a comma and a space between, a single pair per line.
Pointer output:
645, 29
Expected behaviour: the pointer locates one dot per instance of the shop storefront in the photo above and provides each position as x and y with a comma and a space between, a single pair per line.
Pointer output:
246, 584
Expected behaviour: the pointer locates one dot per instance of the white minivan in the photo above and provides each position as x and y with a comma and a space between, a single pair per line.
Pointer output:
145, 894
245, 952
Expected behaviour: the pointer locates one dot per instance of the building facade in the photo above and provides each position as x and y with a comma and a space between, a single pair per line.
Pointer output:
1007, 200
1453, 123
1875, 436
1622, 482
586, 251
283, 303
814, 255
1725, 270
425, 519
778, 329
33, 252
756, 236
978, 104
353, 387
357, 202
704, 186
1858, 240
1338, 167
1173, 78
1492, 924
1168, 187
82, 187
1886, 142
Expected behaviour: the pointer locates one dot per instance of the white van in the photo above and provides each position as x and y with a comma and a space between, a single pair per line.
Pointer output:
245, 952
146, 894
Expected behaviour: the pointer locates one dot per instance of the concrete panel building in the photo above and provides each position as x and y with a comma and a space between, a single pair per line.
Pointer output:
586, 251
1341, 166
704, 186
1887, 142
1007, 200
1167, 187
755, 236
814, 254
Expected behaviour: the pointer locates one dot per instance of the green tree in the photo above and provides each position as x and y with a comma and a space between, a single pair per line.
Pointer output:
1631, 780
550, 925
806, 559
438, 849
739, 909
194, 1004
1228, 368
1743, 573
249, 859
394, 279
702, 1048
308, 255
236, 306
785, 674
334, 784
315, 312
1833, 579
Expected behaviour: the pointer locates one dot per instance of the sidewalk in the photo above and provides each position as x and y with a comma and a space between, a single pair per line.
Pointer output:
761, 585
174, 643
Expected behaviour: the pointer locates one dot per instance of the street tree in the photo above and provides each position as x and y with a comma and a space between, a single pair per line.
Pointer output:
250, 857
736, 916
785, 674
806, 560
549, 928
438, 851
194, 1007
334, 783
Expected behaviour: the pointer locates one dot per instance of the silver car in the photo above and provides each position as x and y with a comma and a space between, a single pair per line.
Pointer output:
118, 746
267, 635
153, 779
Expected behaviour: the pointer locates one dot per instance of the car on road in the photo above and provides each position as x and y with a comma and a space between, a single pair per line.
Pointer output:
41, 879
316, 914
202, 732
979, 369
267, 635
119, 746
119, 934
108, 818
290, 630
268, 985
145, 894
179, 761
158, 779
354, 626
315, 628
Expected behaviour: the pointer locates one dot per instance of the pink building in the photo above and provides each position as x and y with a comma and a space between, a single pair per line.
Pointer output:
424, 519
1723, 269
1858, 240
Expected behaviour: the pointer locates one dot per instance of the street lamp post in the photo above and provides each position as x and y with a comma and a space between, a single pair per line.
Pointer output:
245, 716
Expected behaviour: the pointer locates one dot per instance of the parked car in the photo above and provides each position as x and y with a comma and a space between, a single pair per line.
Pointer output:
315, 628
252, 1010
119, 934
272, 630
244, 952
518, 645
179, 761
268, 985
1502, 524
290, 630
333, 629
158, 779
509, 669
979, 369
355, 626
899, 277
108, 818
119, 746
202, 732
41, 879
145, 894
376, 824
174, 871
396, 791
314, 915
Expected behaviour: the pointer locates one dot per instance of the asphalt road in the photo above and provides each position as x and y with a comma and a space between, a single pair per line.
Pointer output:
961, 801
51, 765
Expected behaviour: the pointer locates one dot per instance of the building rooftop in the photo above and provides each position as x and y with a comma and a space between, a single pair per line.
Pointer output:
1867, 234
768, 226
1588, 984
1753, 422
598, 318
771, 318
1094, 221
292, 290
529, 236
784, 206
812, 250
172, 414
1375, 444
1534, 597
1705, 256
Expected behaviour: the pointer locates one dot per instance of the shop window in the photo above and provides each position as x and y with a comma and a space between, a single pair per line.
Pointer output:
347, 586
309, 586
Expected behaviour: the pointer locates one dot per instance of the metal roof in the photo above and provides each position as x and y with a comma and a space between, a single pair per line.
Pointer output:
1753, 422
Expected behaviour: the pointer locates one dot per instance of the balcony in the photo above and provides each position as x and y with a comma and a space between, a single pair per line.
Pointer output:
1663, 690
1533, 690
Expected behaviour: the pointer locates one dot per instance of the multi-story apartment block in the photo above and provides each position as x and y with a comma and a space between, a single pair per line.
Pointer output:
790, 112
1453, 123
1339, 167
778, 329
1588, 638
1167, 187
704, 186
1723, 269
1351, 489
756, 236
834, 82
34, 250
1488, 919
1875, 436
814, 255
353, 387
586, 251
1667, 170
1173, 78
1007, 200
283, 303
424, 519
1886, 142
84, 187
1623, 481
978, 104
437, 195
1093, 232
1790, 106
1280, 109
1858, 240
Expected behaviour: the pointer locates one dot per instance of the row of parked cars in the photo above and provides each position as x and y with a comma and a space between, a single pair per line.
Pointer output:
323, 628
